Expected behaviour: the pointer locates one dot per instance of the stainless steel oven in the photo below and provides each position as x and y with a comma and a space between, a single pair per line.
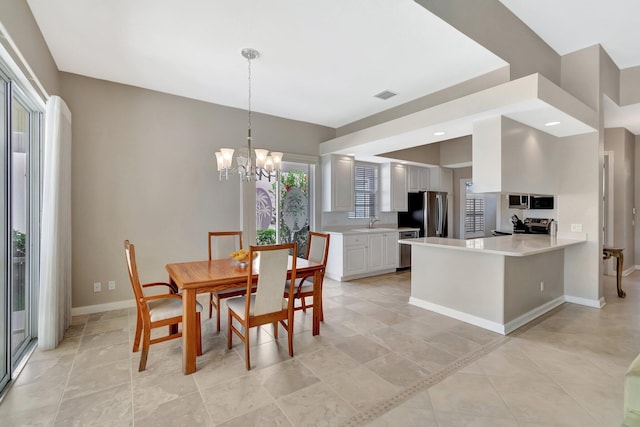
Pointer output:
404, 258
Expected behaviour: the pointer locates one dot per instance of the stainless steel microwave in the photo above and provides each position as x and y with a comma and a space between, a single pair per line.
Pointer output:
540, 202
518, 201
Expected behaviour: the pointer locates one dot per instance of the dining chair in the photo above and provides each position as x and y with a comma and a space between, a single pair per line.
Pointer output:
155, 311
317, 251
221, 244
267, 304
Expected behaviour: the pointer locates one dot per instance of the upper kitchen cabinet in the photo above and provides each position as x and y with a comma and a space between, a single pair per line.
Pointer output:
393, 187
338, 183
418, 179
441, 179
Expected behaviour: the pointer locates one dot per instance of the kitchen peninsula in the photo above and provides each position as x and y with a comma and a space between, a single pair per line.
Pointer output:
497, 283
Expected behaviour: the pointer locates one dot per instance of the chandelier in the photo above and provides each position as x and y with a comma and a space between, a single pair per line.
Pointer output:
264, 165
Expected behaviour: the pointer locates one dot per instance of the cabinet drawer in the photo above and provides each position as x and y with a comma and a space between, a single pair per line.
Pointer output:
355, 240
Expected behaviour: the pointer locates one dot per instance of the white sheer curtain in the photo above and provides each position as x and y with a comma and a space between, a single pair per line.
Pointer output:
54, 314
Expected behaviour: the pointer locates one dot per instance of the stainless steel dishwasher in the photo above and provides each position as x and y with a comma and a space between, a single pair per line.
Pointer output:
405, 250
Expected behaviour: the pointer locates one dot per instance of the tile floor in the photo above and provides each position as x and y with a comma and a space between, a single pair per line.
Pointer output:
378, 361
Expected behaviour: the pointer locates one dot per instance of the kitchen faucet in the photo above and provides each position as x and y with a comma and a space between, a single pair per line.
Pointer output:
372, 221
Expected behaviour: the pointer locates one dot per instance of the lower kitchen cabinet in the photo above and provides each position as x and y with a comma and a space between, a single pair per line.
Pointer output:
361, 255
355, 260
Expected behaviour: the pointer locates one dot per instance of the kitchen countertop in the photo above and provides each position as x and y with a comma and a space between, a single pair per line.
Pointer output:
353, 229
514, 245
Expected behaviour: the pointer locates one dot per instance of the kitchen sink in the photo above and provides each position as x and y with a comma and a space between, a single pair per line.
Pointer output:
373, 230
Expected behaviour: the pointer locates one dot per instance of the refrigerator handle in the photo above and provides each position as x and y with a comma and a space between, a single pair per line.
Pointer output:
438, 215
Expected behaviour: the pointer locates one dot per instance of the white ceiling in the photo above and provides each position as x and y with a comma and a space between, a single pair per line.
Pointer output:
571, 25
321, 62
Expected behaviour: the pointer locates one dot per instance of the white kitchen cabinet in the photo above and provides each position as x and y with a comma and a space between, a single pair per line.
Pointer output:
355, 255
360, 255
338, 183
383, 250
441, 179
393, 187
376, 252
418, 179
391, 250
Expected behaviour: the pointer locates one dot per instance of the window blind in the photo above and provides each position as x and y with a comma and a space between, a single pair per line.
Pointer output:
474, 215
366, 178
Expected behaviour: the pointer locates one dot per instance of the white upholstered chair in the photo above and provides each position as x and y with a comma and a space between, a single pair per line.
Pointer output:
267, 304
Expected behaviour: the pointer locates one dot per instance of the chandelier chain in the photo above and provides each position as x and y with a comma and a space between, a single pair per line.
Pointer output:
249, 100
250, 168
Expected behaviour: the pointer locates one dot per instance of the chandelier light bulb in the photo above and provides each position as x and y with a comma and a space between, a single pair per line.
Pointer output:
261, 157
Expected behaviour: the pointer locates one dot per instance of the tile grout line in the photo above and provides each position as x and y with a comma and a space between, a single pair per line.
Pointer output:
195, 380
64, 390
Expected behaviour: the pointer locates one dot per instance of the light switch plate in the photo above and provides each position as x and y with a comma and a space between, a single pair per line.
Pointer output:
97, 287
576, 228
112, 285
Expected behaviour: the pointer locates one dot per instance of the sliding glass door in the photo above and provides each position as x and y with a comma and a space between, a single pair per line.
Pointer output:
21, 132
4, 279
19, 196
284, 207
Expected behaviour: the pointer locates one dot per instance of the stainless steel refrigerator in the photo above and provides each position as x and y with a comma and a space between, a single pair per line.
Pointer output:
428, 212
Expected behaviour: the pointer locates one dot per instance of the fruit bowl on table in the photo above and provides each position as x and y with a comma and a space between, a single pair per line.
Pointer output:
242, 257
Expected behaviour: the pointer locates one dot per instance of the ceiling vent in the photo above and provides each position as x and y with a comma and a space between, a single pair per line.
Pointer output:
385, 94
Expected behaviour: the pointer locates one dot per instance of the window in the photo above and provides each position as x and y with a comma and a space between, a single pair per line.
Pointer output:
474, 212
366, 187
284, 208
474, 216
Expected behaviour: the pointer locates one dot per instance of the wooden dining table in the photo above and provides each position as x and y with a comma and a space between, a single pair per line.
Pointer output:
196, 277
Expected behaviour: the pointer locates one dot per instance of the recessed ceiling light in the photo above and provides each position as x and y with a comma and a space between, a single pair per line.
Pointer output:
350, 154
552, 124
385, 94
403, 162
439, 133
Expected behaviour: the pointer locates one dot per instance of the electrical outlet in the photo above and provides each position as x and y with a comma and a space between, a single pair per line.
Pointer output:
576, 228
541, 286
97, 286
112, 285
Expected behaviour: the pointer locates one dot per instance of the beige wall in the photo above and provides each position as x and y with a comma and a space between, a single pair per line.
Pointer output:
630, 86
18, 21
143, 170
428, 154
609, 76
579, 195
456, 151
622, 143
636, 181
581, 75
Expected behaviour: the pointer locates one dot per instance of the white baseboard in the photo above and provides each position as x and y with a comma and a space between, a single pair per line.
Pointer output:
599, 303
629, 270
465, 317
358, 276
488, 324
532, 314
99, 308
